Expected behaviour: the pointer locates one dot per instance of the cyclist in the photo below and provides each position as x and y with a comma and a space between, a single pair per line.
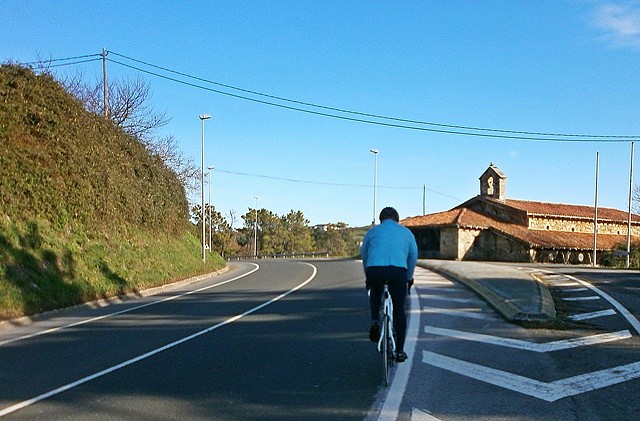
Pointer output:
389, 254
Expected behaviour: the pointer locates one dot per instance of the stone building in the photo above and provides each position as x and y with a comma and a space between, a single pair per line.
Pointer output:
491, 227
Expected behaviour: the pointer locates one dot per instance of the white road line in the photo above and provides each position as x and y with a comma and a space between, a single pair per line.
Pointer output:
93, 319
434, 284
575, 289
627, 315
441, 289
392, 402
420, 415
450, 299
591, 298
470, 313
24, 404
527, 345
549, 392
592, 315
566, 284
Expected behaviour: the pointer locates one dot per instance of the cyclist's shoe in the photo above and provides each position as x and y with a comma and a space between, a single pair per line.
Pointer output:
401, 356
374, 332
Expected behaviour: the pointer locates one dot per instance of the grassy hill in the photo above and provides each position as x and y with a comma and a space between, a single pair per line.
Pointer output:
85, 210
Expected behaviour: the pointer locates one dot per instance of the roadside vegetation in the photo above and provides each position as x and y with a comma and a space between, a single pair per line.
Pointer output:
86, 211
94, 207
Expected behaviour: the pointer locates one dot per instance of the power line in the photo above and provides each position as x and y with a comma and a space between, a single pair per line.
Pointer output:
324, 183
559, 136
406, 123
359, 120
49, 66
40, 63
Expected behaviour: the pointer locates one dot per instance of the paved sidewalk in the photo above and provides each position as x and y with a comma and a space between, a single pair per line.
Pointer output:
512, 291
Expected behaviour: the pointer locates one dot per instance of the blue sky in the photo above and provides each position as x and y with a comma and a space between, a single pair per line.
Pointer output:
566, 67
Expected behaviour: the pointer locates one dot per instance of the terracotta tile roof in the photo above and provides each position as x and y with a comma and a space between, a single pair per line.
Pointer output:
467, 218
569, 211
435, 219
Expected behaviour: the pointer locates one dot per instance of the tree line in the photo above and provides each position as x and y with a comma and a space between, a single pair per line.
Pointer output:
266, 233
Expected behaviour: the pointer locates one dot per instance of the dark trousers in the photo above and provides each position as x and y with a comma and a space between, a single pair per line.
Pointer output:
396, 278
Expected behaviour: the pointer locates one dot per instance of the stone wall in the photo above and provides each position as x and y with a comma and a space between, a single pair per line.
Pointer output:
491, 246
466, 240
580, 225
449, 243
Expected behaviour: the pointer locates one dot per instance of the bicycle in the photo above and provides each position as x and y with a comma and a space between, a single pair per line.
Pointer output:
387, 342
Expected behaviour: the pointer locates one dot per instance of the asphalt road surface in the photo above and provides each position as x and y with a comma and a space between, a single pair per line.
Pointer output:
287, 340
232, 347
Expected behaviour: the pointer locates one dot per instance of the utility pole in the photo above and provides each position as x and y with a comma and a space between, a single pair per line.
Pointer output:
375, 182
628, 262
203, 117
210, 220
424, 199
595, 220
104, 83
255, 231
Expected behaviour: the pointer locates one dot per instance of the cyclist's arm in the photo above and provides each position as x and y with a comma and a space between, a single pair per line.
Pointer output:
412, 257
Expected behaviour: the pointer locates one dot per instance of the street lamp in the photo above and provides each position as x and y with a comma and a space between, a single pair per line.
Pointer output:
375, 181
210, 220
255, 231
203, 117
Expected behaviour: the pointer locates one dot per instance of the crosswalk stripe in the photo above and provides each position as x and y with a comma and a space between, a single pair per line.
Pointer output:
592, 315
581, 298
470, 313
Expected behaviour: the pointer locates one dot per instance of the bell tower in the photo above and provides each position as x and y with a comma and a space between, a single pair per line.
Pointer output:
493, 183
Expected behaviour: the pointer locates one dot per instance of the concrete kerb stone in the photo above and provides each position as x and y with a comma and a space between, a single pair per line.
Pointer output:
548, 308
504, 305
104, 302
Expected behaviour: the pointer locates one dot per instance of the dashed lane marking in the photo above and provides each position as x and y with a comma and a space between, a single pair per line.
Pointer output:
470, 313
623, 311
450, 299
592, 315
575, 289
566, 284
591, 298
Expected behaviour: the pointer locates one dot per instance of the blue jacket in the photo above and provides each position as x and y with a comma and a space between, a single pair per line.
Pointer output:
390, 244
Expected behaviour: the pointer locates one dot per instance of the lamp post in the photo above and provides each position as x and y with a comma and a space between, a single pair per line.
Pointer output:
210, 220
255, 231
203, 117
375, 181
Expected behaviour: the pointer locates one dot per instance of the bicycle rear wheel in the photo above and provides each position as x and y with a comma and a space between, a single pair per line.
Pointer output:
386, 349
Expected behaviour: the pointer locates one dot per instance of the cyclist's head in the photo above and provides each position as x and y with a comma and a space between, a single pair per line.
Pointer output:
389, 213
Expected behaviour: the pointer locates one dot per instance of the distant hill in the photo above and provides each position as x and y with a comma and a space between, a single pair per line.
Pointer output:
85, 210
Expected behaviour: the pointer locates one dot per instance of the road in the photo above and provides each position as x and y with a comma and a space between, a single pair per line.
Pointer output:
473, 365
231, 347
287, 340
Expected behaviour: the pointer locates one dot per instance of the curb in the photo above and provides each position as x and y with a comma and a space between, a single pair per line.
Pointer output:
104, 302
509, 311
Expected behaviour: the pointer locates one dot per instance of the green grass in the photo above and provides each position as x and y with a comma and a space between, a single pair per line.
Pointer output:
45, 269
86, 212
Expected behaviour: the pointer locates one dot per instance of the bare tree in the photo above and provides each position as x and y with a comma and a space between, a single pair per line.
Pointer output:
232, 218
129, 109
128, 103
636, 199
167, 149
